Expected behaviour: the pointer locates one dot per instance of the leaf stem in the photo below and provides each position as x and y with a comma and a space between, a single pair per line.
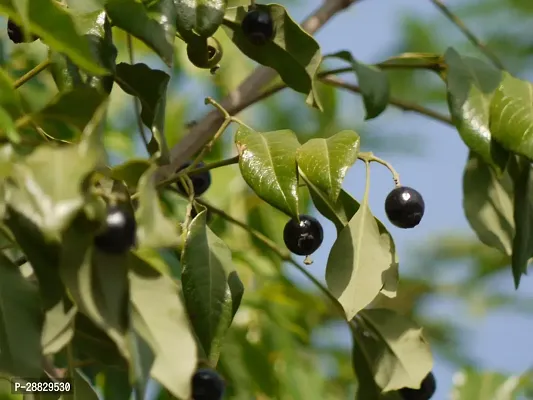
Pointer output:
370, 157
32, 73
137, 109
468, 33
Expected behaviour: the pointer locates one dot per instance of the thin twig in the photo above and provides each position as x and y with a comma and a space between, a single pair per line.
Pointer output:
32, 73
468, 33
136, 106
404, 105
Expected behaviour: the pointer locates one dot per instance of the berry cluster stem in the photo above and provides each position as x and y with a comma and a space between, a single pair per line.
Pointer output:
370, 157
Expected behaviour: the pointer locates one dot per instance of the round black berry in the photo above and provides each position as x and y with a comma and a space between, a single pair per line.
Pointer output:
16, 35
207, 385
258, 26
426, 391
404, 207
304, 237
200, 182
118, 234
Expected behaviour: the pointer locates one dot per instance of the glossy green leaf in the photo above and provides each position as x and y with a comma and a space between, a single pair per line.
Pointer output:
520, 170
68, 113
154, 229
97, 282
199, 17
130, 172
151, 22
397, 353
97, 29
476, 385
488, 204
57, 29
20, 323
470, 86
511, 115
211, 287
360, 261
156, 300
268, 165
58, 329
149, 86
293, 53
374, 84
326, 161
86, 6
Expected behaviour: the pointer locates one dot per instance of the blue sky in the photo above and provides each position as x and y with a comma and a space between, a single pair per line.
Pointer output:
368, 30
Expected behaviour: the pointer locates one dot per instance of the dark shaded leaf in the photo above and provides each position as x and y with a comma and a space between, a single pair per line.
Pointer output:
149, 86
211, 286
374, 84
293, 53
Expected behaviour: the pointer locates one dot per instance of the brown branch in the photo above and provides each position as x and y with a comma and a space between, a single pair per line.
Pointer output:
202, 132
402, 104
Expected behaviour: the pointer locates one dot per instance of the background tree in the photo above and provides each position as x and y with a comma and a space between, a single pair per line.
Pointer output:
103, 318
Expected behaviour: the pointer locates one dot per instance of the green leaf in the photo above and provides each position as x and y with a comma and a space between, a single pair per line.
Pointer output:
99, 33
477, 385
68, 113
360, 261
149, 86
55, 26
470, 89
520, 169
65, 73
58, 329
47, 186
511, 115
97, 282
268, 165
293, 53
326, 161
10, 98
151, 22
154, 229
211, 287
81, 387
20, 323
374, 84
339, 212
396, 353
156, 300
116, 384
343, 211
199, 17
130, 172
488, 204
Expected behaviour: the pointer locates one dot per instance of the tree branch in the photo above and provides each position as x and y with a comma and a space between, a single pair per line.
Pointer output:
200, 134
404, 105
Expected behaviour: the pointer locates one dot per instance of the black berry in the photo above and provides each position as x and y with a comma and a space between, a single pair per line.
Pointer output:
200, 182
207, 385
15, 33
258, 26
404, 207
304, 237
426, 391
118, 234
